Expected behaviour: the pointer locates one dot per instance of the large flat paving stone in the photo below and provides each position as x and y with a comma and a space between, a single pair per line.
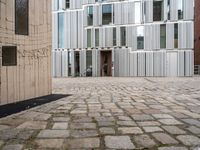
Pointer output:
165, 138
189, 140
119, 142
53, 134
33, 125
83, 143
50, 143
172, 148
13, 147
144, 141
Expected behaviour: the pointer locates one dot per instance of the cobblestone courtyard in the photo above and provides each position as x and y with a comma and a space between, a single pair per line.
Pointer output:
110, 113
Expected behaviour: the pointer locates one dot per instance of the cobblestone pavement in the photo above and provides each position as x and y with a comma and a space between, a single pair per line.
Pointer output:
110, 113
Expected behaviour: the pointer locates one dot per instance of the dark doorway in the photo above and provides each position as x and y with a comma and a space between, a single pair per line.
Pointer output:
106, 63
77, 63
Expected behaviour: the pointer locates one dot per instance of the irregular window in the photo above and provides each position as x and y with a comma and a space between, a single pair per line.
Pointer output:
61, 30
106, 14
114, 37
180, 9
89, 38
163, 36
96, 37
123, 36
90, 15
158, 10
21, 17
176, 35
9, 55
140, 37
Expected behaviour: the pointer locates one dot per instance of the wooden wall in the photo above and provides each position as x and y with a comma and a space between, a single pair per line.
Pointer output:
32, 75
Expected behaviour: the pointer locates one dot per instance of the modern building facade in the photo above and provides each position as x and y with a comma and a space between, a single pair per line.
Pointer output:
25, 49
123, 38
197, 37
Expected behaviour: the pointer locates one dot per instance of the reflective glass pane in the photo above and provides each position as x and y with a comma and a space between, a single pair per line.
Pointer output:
61, 30
140, 37
106, 14
90, 15
123, 36
163, 36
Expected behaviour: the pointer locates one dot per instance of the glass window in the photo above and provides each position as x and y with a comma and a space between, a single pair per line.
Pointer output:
88, 63
89, 38
123, 36
61, 30
180, 9
176, 35
140, 37
137, 12
158, 10
96, 37
162, 36
9, 55
114, 37
168, 9
90, 15
21, 17
69, 63
67, 4
77, 63
106, 14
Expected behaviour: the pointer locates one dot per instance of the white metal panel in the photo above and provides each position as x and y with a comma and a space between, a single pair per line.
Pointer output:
141, 64
124, 13
149, 64
172, 64
133, 64
118, 13
190, 35
131, 17
96, 15
74, 32
149, 11
156, 36
173, 10
188, 9
148, 37
64, 64
170, 36
189, 63
181, 63
159, 63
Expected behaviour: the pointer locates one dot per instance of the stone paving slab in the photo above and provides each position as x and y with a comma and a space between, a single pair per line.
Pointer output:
110, 113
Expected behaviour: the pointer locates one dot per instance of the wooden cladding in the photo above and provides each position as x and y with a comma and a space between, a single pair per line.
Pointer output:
21, 17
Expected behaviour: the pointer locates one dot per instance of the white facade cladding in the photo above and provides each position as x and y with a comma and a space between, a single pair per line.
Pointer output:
123, 38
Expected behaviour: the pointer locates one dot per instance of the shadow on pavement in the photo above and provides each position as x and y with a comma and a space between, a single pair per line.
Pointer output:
13, 108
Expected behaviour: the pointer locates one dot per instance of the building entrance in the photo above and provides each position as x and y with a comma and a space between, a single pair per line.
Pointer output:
106, 63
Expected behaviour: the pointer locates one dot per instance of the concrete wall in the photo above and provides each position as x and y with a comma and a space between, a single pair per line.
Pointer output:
197, 32
32, 75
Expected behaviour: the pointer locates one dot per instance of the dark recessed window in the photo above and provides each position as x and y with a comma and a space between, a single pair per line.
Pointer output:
158, 10
9, 56
21, 17
67, 4
106, 14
